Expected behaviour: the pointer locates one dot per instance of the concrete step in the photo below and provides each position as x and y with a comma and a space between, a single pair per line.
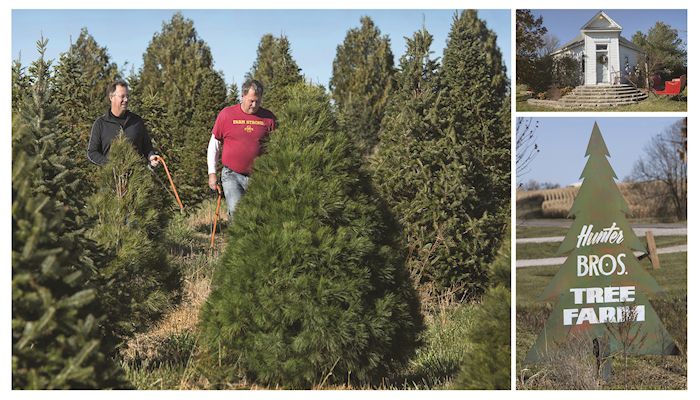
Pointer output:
604, 98
594, 105
593, 92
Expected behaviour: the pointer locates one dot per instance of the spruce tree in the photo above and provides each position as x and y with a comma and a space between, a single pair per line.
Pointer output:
20, 84
362, 81
472, 188
443, 160
232, 96
56, 318
276, 69
138, 284
81, 79
409, 128
56, 342
179, 69
311, 288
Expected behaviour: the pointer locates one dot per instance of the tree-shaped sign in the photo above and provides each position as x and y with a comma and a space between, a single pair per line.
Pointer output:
601, 290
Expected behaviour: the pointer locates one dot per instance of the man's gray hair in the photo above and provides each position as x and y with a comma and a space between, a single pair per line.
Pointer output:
113, 86
252, 84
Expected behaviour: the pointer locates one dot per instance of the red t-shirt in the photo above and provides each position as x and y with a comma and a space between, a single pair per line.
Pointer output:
241, 135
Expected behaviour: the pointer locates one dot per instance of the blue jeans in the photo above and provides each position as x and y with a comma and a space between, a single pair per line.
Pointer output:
235, 186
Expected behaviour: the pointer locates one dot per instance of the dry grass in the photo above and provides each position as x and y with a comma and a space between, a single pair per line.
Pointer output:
645, 200
148, 346
569, 366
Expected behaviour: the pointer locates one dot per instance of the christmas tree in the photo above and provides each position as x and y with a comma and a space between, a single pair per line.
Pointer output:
178, 68
362, 81
601, 287
276, 69
138, 285
311, 288
443, 160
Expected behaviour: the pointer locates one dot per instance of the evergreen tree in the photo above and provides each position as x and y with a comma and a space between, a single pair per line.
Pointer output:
178, 68
409, 129
473, 187
81, 79
275, 68
232, 96
363, 69
311, 287
20, 84
38, 107
599, 206
443, 163
56, 342
664, 48
55, 334
138, 284
487, 362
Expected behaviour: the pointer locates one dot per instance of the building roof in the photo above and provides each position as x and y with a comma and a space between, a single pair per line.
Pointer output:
600, 22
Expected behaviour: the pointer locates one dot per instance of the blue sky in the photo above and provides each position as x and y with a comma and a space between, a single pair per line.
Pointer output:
562, 143
566, 24
233, 35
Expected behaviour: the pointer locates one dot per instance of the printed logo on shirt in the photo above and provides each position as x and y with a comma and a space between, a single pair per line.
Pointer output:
247, 122
248, 129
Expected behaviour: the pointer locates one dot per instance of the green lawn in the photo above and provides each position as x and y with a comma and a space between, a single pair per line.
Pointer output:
651, 104
539, 231
546, 250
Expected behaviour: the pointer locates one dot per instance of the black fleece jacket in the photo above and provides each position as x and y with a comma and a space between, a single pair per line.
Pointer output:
107, 127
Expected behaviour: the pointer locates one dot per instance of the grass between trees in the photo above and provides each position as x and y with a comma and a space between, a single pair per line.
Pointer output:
575, 368
172, 356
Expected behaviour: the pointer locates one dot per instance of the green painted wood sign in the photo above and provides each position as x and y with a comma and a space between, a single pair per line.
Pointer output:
600, 292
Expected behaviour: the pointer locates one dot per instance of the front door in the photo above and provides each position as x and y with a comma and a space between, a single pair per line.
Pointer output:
601, 60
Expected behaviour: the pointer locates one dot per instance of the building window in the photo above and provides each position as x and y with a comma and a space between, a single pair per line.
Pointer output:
601, 46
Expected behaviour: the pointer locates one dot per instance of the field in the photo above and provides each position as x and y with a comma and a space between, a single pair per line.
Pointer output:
170, 356
576, 368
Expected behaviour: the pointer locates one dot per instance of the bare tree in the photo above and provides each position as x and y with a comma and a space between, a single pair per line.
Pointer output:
665, 161
525, 146
549, 44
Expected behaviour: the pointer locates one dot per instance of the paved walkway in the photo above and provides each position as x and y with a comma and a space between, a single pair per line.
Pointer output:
560, 260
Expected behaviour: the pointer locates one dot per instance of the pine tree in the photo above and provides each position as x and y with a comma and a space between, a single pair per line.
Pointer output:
599, 206
138, 284
311, 288
363, 69
487, 363
276, 69
178, 68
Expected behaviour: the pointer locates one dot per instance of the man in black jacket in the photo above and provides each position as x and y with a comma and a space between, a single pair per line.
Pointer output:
119, 118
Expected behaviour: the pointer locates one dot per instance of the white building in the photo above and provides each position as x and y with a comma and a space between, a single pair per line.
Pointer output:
606, 57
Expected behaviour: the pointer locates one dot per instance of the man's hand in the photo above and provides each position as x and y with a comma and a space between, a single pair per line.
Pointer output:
154, 161
212, 181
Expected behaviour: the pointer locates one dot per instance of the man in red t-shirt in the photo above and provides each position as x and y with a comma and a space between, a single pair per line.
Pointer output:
239, 130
